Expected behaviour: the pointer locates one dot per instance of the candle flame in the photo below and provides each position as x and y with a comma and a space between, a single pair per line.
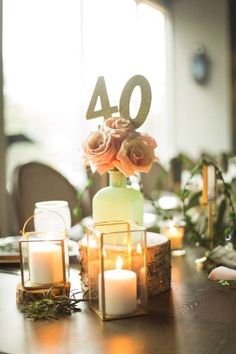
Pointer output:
139, 248
173, 230
119, 263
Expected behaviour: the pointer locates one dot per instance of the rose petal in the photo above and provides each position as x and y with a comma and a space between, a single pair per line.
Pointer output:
222, 273
149, 140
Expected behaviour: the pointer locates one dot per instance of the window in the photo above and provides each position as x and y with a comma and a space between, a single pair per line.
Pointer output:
53, 53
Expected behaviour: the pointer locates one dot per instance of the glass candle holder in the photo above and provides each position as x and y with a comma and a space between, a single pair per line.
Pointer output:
54, 216
43, 259
174, 231
47, 221
117, 269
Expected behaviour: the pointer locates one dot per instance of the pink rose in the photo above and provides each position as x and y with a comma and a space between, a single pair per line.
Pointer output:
135, 155
99, 152
118, 128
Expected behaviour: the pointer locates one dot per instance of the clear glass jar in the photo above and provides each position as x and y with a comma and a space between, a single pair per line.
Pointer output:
53, 215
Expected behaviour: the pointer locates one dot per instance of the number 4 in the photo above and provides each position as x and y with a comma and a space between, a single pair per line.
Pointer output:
100, 91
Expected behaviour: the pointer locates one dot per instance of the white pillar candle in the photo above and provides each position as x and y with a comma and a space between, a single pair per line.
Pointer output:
120, 288
45, 263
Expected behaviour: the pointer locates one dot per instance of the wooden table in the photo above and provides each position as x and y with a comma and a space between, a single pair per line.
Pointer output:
197, 316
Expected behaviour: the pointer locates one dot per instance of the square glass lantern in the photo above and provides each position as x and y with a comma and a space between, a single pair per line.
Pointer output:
117, 269
43, 259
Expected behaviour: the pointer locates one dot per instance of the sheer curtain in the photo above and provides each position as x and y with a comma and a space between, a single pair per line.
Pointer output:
54, 51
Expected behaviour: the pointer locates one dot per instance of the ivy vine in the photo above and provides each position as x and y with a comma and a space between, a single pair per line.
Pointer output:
224, 228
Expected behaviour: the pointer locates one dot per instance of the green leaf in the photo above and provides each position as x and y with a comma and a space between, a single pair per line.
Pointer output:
79, 195
89, 183
194, 201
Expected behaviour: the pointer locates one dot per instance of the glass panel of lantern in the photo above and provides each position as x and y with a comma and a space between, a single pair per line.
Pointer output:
43, 259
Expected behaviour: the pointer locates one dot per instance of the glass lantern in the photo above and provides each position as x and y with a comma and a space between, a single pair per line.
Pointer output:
117, 269
43, 259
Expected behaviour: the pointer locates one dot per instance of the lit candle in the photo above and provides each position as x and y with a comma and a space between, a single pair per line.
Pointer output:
204, 184
120, 290
175, 234
45, 263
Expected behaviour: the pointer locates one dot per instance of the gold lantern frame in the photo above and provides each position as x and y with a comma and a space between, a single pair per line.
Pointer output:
131, 230
61, 241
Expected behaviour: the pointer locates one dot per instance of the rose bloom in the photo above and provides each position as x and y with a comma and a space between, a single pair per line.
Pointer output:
148, 139
99, 152
118, 128
135, 155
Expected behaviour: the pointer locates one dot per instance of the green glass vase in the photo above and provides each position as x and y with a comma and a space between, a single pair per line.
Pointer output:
118, 201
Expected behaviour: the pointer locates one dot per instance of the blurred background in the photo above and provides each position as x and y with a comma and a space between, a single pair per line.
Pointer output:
54, 51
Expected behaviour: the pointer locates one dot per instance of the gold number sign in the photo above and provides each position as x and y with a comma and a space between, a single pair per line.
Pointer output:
106, 110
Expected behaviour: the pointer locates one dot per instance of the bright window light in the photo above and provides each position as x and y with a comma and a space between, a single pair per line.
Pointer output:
53, 53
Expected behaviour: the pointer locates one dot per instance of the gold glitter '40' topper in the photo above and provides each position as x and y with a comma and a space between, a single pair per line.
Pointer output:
107, 110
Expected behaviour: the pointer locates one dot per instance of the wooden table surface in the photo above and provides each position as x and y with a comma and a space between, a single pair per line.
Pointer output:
197, 316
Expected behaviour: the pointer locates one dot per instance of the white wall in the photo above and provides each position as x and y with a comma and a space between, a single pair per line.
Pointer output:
202, 119
3, 197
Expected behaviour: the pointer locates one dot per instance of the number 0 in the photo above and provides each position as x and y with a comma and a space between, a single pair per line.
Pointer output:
146, 97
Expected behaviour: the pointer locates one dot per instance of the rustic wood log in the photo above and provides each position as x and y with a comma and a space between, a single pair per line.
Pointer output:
27, 295
158, 260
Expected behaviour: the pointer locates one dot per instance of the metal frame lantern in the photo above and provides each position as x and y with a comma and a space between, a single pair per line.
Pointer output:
117, 269
44, 258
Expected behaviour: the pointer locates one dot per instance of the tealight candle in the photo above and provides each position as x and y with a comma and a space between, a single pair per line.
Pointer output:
175, 234
120, 290
45, 263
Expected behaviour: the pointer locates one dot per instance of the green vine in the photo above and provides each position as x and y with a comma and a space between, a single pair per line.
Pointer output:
51, 307
197, 235
230, 283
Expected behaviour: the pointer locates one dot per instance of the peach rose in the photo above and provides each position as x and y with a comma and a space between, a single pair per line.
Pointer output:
98, 152
149, 140
118, 128
135, 155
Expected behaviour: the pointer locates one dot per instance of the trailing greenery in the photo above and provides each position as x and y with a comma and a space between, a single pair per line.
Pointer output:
225, 223
51, 307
